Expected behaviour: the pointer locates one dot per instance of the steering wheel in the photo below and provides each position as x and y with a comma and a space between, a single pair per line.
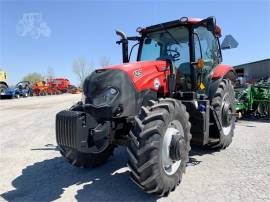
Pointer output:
175, 56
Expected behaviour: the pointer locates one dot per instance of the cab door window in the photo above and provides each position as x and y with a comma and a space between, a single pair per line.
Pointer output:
207, 47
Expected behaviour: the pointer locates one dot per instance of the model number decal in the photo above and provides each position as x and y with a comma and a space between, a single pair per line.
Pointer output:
137, 73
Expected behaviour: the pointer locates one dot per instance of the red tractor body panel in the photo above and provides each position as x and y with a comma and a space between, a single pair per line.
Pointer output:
221, 70
153, 74
147, 75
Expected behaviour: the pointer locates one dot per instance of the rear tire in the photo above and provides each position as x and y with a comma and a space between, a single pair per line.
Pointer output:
148, 163
84, 160
224, 96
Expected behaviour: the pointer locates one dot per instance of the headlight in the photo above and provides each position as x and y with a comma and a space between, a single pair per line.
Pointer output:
106, 97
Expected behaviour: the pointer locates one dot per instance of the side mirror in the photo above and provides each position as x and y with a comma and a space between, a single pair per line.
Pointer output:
228, 42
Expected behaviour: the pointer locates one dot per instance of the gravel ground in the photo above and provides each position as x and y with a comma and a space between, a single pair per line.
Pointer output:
32, 169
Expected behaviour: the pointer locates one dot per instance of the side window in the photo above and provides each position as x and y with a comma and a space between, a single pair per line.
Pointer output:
151, 50
206, 41
183, 50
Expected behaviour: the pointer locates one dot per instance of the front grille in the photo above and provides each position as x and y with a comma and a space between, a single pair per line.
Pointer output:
66, 123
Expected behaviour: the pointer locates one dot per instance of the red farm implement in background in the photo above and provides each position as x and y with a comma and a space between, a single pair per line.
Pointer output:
51, 87
58, 85
40, 88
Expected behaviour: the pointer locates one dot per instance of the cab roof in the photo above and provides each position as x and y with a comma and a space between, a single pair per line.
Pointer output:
175, 23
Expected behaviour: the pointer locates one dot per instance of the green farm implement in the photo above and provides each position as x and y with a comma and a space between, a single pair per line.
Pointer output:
254, 100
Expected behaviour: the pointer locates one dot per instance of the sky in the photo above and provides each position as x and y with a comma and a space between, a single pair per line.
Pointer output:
63, 31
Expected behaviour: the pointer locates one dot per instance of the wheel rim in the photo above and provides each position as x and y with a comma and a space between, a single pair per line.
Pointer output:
226, 115
169, 166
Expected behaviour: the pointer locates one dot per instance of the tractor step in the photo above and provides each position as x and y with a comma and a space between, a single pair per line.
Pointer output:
199, 119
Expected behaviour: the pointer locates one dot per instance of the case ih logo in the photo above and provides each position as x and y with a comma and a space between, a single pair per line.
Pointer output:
137, 73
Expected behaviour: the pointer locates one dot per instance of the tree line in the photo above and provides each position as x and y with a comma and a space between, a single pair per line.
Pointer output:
81, 67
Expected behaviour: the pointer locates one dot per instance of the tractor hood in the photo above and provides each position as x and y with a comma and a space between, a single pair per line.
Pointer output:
120, 90
143, 73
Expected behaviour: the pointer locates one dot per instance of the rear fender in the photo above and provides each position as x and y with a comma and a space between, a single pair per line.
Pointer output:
220, 72
224, 71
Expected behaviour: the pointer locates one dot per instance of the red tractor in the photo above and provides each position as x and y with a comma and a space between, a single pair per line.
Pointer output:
176, 93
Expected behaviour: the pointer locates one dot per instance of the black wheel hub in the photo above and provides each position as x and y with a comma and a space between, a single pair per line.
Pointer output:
176, 147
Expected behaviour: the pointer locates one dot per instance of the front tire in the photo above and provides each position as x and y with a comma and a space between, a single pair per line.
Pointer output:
150, 159
84, 160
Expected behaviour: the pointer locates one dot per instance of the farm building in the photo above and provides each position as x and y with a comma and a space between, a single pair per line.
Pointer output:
254, 70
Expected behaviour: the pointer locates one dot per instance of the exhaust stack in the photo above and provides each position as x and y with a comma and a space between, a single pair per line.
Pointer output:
124, 42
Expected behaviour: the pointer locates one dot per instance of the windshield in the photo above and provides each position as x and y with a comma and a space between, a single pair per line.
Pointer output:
167, 44
170, 44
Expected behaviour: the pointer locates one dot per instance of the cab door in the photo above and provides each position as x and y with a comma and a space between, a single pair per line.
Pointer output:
206, 47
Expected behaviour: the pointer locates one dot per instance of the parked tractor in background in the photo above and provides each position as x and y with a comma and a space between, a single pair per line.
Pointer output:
3, 82
254, 100
175, 89
22, 89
